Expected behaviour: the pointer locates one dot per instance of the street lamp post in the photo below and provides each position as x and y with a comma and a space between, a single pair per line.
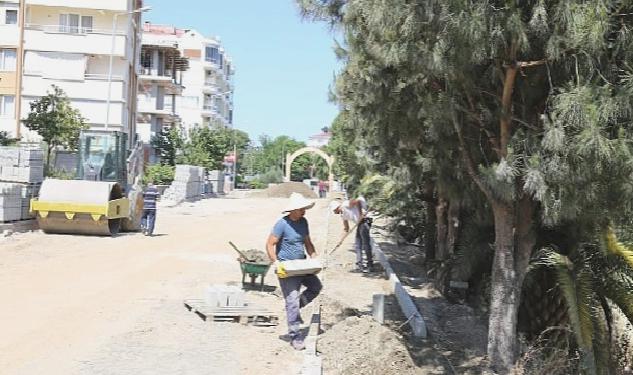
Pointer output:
114, 19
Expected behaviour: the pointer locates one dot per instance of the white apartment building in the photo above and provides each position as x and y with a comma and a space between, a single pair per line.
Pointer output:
160, 82
207, 97
68, 43
9, 66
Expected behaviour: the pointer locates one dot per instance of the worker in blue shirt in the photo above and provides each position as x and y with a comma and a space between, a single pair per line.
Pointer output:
289, 240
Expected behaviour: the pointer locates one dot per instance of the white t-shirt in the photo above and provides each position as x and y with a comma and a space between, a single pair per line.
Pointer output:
353, 213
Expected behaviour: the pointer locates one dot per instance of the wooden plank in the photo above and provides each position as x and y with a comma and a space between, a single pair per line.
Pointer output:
408, 307
241, 314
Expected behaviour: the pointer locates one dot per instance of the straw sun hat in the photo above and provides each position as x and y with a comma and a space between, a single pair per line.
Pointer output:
297, 202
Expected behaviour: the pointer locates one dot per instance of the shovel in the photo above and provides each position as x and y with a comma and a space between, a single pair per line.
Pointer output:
239, 252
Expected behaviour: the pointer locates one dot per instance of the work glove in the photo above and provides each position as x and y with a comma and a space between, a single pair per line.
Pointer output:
280, 270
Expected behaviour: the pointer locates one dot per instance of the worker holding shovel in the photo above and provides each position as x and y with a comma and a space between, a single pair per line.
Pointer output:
356, 211
290, 240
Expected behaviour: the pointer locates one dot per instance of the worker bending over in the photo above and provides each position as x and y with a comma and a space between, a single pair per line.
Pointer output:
356, 211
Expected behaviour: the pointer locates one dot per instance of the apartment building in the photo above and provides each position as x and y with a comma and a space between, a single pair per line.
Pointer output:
207, 97
88, 48
160, 82
9, 66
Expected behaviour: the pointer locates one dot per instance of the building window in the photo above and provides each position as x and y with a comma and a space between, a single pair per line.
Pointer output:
86, 24
7, 59
70, 23
7, 104
146, 61
212, 54
11, 17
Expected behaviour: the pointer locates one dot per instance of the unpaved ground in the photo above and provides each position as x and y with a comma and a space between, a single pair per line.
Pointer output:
90, 305
355, 344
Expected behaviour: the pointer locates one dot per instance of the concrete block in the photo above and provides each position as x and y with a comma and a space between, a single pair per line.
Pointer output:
378, 307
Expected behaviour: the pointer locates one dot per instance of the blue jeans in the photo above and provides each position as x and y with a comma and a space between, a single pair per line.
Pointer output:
290, 287
147, 220
363, 244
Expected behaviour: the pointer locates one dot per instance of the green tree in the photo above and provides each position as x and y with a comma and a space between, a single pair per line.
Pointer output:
529, 101
273, 156
347, 165
207, 146
167, 143
56, 121
6, 140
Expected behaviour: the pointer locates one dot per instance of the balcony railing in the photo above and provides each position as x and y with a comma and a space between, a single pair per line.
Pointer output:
67, 29
95, 42
145, 71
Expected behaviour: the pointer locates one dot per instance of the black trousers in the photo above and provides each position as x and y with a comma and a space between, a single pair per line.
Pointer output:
363, 244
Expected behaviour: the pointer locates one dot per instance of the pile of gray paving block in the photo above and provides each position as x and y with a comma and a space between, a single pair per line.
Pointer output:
21, 175
216, 180
188, 184
19, 164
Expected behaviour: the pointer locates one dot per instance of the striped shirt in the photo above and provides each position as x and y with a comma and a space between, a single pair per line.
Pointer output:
149, 197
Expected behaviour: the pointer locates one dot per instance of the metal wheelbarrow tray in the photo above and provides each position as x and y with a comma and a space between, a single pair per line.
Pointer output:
253, 270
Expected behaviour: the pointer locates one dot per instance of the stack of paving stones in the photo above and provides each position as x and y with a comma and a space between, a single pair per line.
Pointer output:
10, 202
21, 175
216, 180
187, 185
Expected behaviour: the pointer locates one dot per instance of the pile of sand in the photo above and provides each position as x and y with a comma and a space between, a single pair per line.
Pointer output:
256, 256
359, 345
284, 190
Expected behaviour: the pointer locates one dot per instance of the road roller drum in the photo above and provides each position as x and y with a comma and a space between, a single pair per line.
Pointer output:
80, 207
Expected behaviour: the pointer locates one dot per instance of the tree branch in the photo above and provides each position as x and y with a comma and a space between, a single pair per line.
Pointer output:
506, 107
468, 161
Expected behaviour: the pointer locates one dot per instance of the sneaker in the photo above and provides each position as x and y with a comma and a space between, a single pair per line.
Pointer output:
365, 270
298, 344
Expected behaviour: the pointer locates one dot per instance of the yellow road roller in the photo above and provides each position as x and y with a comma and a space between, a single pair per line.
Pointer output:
107, 197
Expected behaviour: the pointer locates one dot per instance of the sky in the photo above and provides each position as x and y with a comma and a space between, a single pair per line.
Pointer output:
284, 66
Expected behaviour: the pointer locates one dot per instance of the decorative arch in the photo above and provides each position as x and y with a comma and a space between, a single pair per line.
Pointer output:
313, 150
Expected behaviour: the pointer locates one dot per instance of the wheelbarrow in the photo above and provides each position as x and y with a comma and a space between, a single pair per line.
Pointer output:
251, 268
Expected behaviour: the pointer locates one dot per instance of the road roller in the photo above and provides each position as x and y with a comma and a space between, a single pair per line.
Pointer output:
107, 196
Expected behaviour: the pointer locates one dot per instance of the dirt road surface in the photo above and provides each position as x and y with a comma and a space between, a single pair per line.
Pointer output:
79, 305
94, 305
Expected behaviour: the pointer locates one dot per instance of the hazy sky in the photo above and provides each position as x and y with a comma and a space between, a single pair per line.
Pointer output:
284, 65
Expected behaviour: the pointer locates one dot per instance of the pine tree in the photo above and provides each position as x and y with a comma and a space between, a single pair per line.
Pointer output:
528, 101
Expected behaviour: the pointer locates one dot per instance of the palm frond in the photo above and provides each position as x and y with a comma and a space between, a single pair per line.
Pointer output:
619, 294
615, 247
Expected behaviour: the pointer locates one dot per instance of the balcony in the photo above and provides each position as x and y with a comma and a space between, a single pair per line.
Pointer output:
9, 35
73, 40
210, 89
211, 64
115, 5
209, 110
164, 79
94, 87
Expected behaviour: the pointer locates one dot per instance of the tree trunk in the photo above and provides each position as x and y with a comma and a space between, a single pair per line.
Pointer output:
505, 292
47, 170
513, 249
453, 226
429, 230
441, 227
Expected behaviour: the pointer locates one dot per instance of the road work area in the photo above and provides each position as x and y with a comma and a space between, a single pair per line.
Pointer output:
114, 305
